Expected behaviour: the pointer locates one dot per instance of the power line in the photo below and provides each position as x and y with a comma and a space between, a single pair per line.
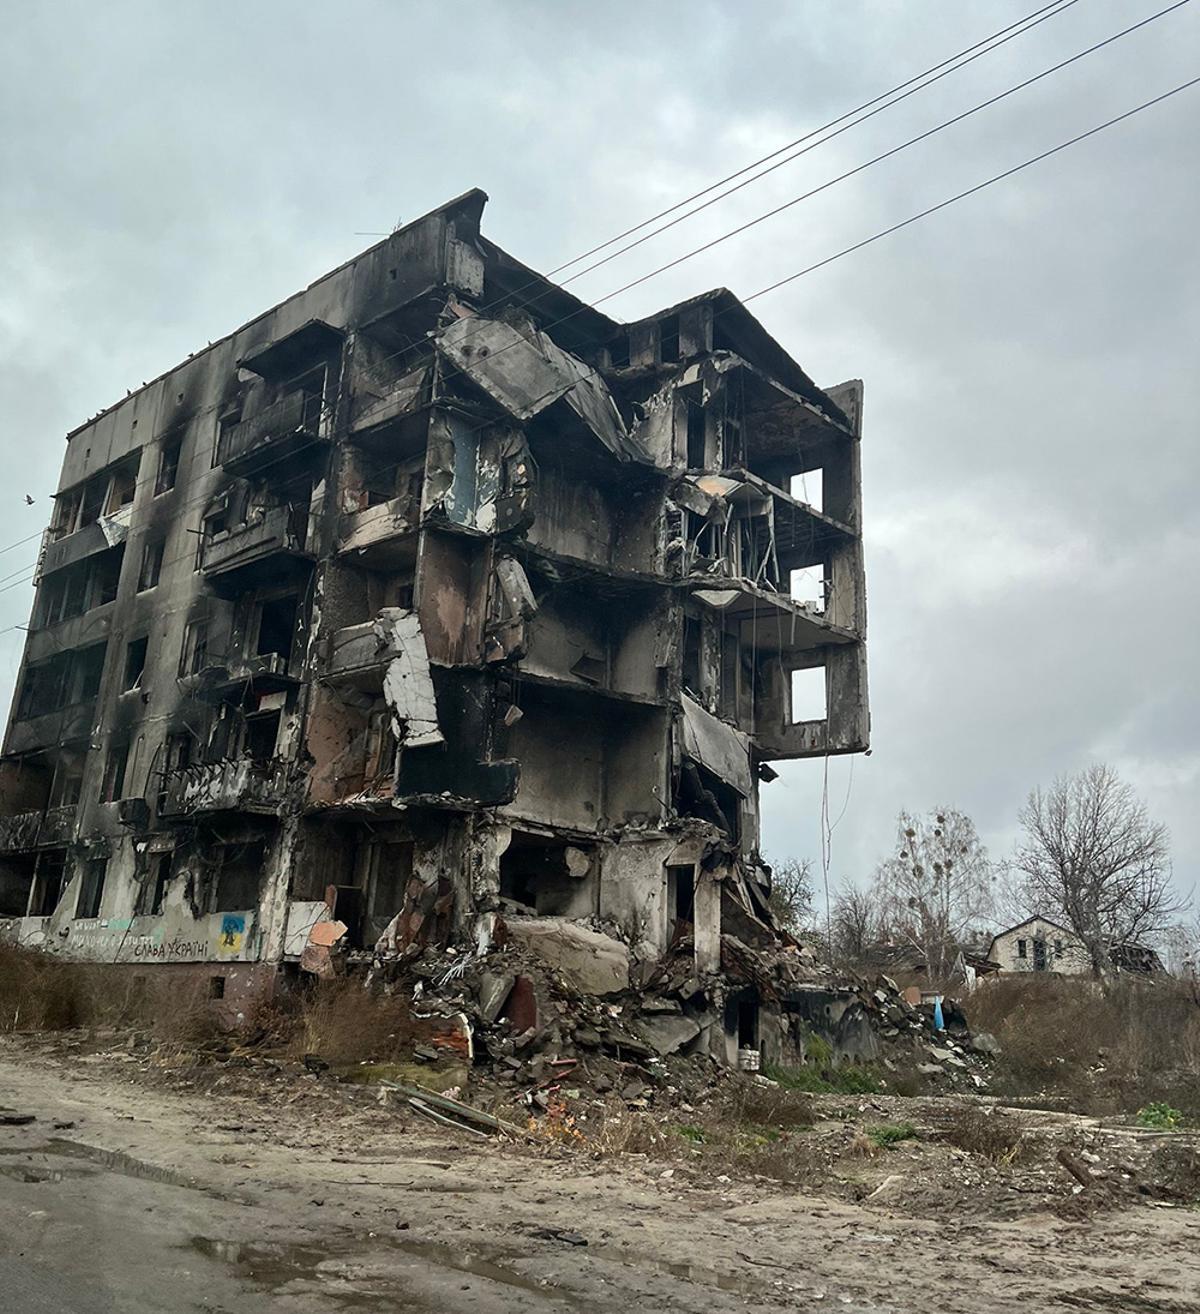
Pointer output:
812, 146
1058, 7
895, 150
970, 191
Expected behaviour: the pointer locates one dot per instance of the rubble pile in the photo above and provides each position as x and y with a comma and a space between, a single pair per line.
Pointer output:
558, 1008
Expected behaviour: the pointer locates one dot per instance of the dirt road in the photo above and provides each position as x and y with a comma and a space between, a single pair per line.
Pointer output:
128, 1198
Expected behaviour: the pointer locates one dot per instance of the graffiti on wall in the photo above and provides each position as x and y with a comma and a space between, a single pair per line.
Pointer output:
219, 937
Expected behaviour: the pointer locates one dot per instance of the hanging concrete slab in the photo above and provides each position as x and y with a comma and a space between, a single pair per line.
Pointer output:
525, 372
719, 747
407, 684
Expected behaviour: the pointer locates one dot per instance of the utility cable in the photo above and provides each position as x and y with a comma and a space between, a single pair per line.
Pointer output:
796, 154
970, 191
895, 150
1040, 15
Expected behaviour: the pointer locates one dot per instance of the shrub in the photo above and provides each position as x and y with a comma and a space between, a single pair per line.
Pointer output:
1159, 1115
994, 1136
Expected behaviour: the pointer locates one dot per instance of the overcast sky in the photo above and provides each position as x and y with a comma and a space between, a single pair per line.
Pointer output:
1030, 455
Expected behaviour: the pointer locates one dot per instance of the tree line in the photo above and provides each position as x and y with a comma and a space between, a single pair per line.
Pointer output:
1089, 858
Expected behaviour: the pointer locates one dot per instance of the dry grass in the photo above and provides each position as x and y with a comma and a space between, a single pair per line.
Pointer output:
1104, 1053
343, 1023
994, 1136
746, 1131
41, 993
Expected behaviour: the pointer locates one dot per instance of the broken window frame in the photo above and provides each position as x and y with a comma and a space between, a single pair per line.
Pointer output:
122, 488
193, 652
151, 568
137, 652
49, 881
116, 765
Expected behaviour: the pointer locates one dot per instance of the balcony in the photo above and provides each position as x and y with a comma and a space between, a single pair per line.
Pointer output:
259, 547
383, 397
289, 426
65, 725
62, 550
232, 785
381, 537
49, 828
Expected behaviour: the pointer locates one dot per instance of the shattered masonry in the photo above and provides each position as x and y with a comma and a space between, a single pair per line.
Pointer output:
438, 605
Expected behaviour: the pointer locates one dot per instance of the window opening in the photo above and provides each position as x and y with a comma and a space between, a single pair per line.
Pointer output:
68, 781
107, 576
681, 896
808, 695
691, 654
194, 656
697, 448
162, 878
168, 467
92, 502
135, 662
262, 732
16, 883
91, 889
122, 489
88, 668
51, 865
668, 339
239, 875
152, 559
112, 787
277, 626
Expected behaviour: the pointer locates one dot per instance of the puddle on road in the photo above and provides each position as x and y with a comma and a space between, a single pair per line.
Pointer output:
275, 1264
115, 1161
30, 1172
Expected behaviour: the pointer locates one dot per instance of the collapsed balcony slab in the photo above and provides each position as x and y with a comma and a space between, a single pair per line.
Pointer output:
526, 372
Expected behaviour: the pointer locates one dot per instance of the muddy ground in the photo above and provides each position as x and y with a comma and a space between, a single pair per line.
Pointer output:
140, 1187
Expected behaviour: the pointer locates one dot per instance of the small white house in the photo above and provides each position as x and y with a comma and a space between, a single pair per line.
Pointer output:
1039, 945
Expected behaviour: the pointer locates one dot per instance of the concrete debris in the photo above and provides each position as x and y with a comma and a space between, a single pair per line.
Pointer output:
711, 743
494, 990
407, 684
594, 964
665, 1033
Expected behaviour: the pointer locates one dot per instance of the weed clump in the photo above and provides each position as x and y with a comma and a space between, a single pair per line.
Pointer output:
847, 1079
996, 1137
1160, 1115
892, 1134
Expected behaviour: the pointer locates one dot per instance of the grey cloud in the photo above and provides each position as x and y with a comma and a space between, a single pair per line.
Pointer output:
1030, 457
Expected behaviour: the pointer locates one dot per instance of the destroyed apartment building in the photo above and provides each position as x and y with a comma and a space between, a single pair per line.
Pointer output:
435, 607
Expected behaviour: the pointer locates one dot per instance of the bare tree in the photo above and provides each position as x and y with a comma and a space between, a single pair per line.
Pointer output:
1092, 858
937, 886
855, 923
792, 894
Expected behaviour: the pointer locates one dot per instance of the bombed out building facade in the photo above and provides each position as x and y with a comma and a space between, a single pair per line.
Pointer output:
437, 606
